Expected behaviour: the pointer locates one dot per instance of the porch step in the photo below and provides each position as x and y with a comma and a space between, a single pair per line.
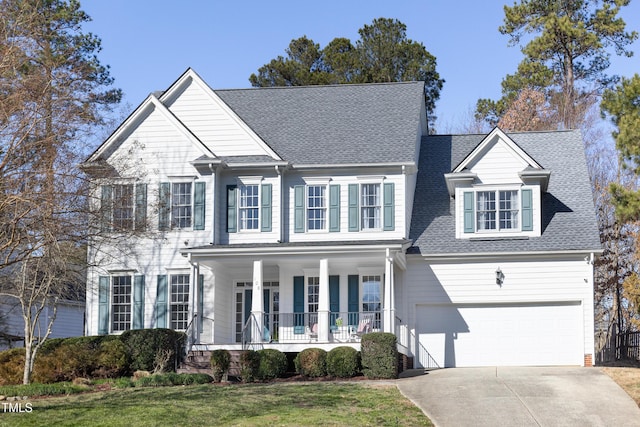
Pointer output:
199, 361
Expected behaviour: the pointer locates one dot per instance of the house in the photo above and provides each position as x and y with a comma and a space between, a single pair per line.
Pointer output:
69, 322
292, 217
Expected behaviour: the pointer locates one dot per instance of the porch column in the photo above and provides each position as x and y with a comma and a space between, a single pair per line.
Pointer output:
323, 302
389, 309
257, 302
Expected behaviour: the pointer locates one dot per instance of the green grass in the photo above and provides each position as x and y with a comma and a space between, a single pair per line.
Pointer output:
205, 405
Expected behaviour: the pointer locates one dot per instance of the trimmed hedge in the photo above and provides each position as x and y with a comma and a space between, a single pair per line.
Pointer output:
273, 364
154, 350
379, 354
249, 365
311, 362
343, 362
220, 362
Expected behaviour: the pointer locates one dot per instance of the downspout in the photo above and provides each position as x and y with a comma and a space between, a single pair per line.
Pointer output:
214, 192
280, 172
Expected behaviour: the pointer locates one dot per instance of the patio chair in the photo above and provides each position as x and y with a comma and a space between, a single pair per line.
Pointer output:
364, 327
313, 332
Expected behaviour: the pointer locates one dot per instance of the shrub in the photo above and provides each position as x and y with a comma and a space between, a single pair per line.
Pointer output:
220, 362
249, 365
112, 359
67, 359
379, 355
273, 364
312, 362
11, 366
343, 362
147, 348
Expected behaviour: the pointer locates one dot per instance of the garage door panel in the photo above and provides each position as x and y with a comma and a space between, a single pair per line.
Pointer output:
501, 334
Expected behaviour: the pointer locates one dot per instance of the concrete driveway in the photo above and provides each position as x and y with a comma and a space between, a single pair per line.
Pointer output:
509, 396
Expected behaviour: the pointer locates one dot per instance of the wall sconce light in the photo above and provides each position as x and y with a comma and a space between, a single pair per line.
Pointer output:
499, 277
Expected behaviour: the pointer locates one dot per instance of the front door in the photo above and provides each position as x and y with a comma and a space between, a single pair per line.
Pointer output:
244, 298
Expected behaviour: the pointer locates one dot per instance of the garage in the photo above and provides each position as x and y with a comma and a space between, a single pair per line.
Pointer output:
534, 334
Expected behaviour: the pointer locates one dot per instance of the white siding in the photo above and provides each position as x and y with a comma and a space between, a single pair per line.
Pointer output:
561, 279
499, 165
215, 125
400, 202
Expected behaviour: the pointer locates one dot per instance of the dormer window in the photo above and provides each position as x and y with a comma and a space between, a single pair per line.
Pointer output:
497, 210
487, 211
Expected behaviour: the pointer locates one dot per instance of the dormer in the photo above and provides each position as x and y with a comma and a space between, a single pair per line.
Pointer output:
498, 191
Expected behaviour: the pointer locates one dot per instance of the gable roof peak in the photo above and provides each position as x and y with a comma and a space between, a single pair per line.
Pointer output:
491, 139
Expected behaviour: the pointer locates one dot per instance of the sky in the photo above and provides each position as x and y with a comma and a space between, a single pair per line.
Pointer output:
148, 44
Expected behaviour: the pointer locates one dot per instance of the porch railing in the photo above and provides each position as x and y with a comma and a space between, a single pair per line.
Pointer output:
303, 327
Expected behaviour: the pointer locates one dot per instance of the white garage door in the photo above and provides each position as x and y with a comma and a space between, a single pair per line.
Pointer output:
500, 335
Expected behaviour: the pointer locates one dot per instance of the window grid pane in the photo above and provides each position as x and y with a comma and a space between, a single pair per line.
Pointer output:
508, 210
179, 301
371, 297
123, 207
370, 206
316, 207
248, 209
181, 205
313, 294
486, 210
121, 303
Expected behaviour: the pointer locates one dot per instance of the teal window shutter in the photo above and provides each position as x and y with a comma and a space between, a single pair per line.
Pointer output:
527, 210
266, 208
353, 298
469, 226
334, 208
103, 305
138, 302
298, 209
200, 301
161, 302
334, 300
298, 305
248, 302
354, 222
141, 207
164, 206
199, 205
389, 207
106, 207
232, 212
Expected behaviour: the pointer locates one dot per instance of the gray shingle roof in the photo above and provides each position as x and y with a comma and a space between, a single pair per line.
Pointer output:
341, 124
569, 221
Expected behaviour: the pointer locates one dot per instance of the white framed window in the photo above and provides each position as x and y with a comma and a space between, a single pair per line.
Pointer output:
123, 207
313, 294
370, 206
316, 207
372, 297
179, 301
121, 303
497, 210
181, 204
249, 207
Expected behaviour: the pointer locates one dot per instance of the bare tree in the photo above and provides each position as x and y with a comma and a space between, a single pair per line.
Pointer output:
53, 91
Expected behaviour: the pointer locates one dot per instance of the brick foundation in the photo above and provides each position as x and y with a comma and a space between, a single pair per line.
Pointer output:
588, 360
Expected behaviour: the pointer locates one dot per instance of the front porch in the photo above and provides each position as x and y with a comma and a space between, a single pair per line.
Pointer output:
292, 297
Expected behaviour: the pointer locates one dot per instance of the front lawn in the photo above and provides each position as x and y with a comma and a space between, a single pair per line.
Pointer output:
628, 378
209, 404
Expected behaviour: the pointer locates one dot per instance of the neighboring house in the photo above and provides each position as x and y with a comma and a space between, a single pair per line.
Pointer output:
69, 322
306, 216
